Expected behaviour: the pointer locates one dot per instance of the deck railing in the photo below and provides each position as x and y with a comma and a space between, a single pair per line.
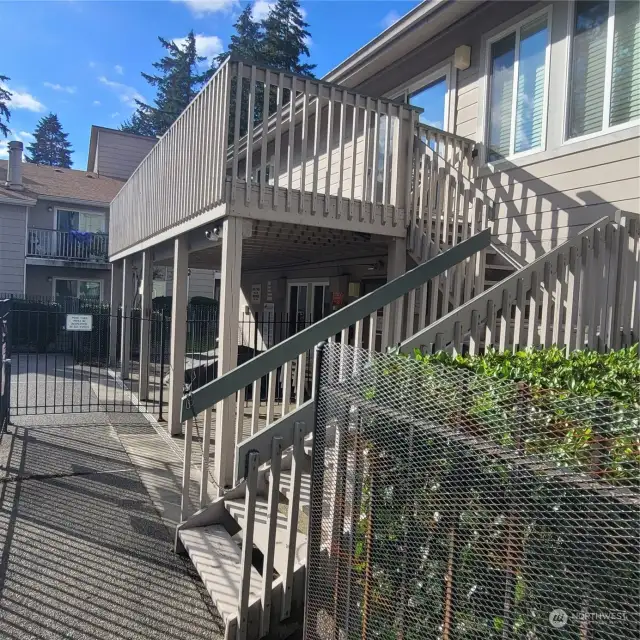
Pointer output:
582, 293
255, 137
68, 245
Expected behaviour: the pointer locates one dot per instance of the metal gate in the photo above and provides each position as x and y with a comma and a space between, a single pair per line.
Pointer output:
60, 359
5, 365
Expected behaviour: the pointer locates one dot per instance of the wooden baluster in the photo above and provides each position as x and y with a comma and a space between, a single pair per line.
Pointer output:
240, 415
278, 141
204, 465
272, 522
186, 470
634, 302
474, 337
303, 147
286, 387
534, 295
236, 131
292, 517
595, 280
626, 284
568, 340
250, 119
548, 285
291, 142
411, 308
457, 337
271, 397
354, 156
327, 183
518, 323
263, 145
373, 321
375, 144
302, 377
385, 162
247, 545
341, 138
255, 406
582, 271
560, 296
366, 160
490, 324
316, 151
505, 321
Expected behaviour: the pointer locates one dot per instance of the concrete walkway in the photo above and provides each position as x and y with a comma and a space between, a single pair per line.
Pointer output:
86, 507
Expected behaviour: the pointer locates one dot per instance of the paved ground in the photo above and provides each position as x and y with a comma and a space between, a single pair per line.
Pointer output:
85, 552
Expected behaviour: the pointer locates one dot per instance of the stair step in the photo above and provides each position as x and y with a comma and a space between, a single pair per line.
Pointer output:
261, 533
217, 559
305, 488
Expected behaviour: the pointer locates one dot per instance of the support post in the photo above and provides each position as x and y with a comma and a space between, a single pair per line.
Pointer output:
125, 331
396, 266
178, 332
228, 348
116, 301
145, 324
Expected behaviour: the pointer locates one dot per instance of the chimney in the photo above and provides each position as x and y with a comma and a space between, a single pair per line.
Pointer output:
14, 169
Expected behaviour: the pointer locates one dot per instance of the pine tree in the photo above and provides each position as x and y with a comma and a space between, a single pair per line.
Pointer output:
285, 38
176, 84
5, 96
50, 146
248, 41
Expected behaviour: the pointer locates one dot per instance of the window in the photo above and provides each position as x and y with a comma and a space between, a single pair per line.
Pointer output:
604, 81
86, 289
517, 69
81, 221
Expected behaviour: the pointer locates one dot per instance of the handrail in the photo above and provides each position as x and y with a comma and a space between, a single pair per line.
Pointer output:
228, 384
562, 273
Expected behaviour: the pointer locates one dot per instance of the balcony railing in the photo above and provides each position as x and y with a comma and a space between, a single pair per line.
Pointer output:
272, 144
76, 246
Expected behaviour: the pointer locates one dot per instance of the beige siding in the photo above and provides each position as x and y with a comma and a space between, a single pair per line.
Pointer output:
201, 282
118, 155
38, 283
41, 218
12, 239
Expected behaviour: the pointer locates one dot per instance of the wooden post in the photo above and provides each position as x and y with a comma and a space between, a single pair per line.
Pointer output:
116, 301
125, 331
178, 332
145, 325
228, 347
396, 266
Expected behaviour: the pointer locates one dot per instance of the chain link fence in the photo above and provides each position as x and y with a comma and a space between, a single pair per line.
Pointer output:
447, 505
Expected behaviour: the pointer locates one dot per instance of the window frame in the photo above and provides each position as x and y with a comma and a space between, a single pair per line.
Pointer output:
432, 75
608, 81
78, 280
56, 218
516, 28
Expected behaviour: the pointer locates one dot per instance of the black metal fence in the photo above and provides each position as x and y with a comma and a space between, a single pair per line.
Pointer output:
57, 369
5, 365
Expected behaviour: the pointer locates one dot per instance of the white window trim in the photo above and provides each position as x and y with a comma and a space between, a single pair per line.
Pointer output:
608, 79
54, 280
304, 283
515, 27
84, 211
429, 77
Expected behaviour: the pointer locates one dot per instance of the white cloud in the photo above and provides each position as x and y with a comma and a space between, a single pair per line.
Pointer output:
115, 114
22, 136
92, 65
128, 95
203, 7
25, 136
96, 103
23, 100
59, 87
207, 46
391, 18
261, 9
4, 149
118, 69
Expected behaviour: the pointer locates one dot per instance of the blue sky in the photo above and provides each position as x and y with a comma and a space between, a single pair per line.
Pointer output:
82, 59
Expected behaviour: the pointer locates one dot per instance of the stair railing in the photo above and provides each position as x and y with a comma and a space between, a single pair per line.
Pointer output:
583, 293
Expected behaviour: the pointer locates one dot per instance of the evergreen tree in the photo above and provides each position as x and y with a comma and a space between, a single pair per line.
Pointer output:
176, 83
285, 38
5, 97
50, 145
248, 40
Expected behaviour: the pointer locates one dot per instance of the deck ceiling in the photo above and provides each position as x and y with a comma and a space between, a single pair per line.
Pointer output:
274, 245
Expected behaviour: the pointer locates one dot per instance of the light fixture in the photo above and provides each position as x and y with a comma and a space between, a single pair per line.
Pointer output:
49, 208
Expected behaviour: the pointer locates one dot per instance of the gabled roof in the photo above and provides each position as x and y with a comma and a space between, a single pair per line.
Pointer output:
41, 181
93, 142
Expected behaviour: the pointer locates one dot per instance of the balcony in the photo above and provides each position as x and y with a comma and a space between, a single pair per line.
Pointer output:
70, 246
270, 145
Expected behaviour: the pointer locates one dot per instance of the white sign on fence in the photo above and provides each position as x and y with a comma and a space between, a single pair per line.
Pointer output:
79, 322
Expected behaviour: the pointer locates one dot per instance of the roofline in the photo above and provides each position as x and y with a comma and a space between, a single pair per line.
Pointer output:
381, 41
80, 201
93, 141
23, 202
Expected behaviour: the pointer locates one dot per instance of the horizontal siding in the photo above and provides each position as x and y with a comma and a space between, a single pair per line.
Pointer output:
38, 284
118, 155
12, 239
547, 202
41, 218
